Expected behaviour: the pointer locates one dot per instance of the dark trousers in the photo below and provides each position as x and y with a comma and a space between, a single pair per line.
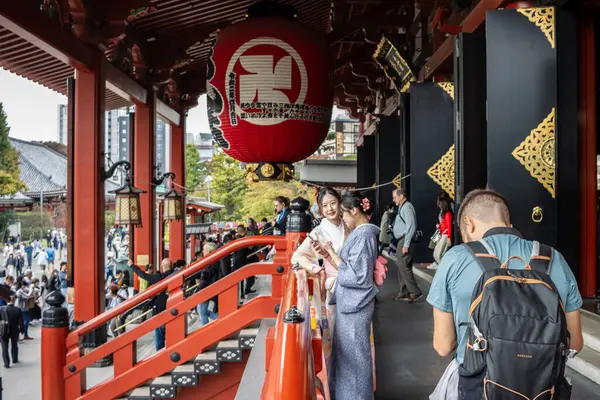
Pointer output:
159, 338
406, 279
14, 347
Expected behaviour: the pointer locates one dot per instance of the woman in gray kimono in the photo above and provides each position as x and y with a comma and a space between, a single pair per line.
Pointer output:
351, 372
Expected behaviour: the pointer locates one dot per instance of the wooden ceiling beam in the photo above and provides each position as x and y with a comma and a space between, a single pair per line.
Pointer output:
371, 17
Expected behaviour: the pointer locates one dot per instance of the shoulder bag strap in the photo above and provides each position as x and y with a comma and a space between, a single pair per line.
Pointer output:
541, 257
486, 259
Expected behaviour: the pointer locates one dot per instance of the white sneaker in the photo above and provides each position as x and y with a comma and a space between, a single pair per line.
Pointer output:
432, 266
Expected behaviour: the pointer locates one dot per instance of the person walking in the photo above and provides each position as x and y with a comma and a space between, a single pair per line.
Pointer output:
23, 296
42, 259
208, 276
405, 227
385, 232
14, 317
160, 300
51, 253
29, 253
351, 373
444, 229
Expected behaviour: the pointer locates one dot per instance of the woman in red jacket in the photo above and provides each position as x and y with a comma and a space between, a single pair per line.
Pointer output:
446, 220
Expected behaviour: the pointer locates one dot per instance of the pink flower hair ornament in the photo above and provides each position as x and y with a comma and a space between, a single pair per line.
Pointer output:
366, 204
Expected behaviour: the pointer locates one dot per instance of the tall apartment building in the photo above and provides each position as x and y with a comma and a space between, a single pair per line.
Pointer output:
203, 143
61, 129
341, 140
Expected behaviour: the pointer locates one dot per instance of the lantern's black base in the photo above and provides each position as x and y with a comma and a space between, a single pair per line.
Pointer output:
266, 171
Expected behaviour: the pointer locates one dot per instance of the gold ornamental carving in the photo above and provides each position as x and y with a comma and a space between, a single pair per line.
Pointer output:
251, 175
537, 153
543, 18
442, 172
447, 87
267, 170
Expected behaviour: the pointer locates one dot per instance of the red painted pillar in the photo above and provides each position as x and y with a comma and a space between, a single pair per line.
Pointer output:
587, 156
177, 228
143, 159
88, 195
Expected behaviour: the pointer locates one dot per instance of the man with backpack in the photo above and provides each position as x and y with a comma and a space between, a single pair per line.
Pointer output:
405, 230
12, 325
507, 306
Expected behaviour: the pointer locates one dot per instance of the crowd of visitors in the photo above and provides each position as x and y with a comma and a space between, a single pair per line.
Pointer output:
22, 297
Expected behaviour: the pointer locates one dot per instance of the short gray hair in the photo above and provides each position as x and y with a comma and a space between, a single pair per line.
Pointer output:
210, 247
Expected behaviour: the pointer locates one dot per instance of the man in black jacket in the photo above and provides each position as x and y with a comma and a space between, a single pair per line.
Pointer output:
160, 300
243, 257
14, 317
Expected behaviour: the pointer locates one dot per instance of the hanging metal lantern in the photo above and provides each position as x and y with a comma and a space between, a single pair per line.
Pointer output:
127, 207
173, 206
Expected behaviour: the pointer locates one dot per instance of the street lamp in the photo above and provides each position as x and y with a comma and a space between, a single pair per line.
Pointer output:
127, 207
208, 180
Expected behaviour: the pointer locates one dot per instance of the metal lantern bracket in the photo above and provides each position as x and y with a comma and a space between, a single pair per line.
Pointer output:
158, 181
111, 171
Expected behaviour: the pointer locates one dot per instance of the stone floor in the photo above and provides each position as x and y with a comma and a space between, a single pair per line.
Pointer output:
407, 366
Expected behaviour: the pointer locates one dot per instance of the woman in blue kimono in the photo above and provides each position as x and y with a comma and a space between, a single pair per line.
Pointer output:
351, 372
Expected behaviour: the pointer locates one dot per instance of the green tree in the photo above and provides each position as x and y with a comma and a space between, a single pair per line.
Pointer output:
228, 186
7, 218
195, 170
258, 202
9, 160
35, 223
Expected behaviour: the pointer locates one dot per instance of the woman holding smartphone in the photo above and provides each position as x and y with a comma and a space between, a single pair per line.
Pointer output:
351, 370
331, 229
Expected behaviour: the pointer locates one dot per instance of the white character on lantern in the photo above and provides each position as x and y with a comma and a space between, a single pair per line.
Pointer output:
265, 80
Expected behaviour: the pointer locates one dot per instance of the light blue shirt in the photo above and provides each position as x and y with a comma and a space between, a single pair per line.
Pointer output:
456, 276
405, 224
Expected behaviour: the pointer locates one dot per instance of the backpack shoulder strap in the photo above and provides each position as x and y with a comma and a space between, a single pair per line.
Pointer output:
485, 258
541, 257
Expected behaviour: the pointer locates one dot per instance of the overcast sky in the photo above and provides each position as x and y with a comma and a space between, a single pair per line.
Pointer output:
32, 110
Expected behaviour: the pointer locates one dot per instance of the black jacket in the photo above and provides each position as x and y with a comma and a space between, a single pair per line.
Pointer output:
281, 225
14, 317
160, 300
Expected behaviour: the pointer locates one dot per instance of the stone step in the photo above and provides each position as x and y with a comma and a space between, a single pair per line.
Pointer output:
246, 338
207, 363
185, 375
229, 351
590, 324
163, 388
140, 393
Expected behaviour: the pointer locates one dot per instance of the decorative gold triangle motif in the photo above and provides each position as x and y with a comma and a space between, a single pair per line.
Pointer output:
537, 153
447, 87
442, 172
543, 18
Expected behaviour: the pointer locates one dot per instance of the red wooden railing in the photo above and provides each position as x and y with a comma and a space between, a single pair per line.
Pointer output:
180, 347
294, 357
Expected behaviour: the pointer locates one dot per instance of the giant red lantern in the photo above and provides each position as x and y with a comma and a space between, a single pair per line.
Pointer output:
270, 94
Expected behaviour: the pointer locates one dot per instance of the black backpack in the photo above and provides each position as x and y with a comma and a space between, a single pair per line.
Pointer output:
517, 338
